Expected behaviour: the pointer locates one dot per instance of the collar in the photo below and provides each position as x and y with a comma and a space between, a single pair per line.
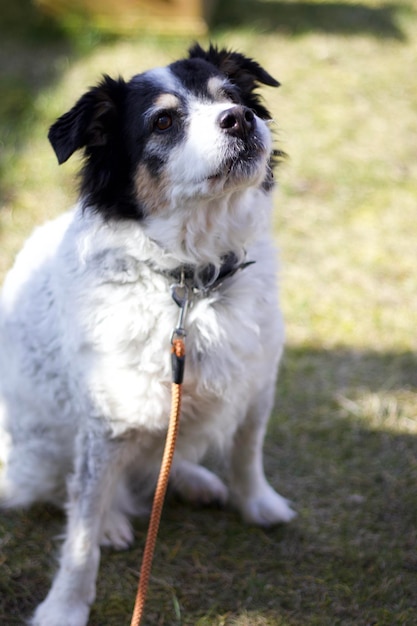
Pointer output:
202, 280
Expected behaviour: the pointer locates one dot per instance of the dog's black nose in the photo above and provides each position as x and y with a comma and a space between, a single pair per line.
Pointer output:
238, 121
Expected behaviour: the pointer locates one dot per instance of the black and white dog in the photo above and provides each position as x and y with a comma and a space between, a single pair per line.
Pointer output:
176, 186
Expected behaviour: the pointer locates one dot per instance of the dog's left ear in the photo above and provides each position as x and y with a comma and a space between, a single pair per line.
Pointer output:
90, 122
244, 72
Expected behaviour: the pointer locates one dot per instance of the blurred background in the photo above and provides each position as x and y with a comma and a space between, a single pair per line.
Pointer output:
342, 442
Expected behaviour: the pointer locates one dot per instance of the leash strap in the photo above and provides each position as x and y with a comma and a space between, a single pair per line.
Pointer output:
180, 296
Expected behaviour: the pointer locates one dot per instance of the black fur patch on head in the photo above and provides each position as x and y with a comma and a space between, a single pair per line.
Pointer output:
194, 74
108, 123
242, 71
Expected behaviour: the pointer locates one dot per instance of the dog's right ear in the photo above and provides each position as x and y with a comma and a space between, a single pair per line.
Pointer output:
91, 121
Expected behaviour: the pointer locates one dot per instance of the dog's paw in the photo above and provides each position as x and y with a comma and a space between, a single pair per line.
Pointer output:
198, 485
266, 509
116, 531
52, 613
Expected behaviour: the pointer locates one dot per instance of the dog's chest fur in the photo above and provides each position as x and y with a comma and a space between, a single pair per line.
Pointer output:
108, 319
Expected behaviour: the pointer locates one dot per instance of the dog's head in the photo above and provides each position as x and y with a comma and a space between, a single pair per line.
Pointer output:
194, 129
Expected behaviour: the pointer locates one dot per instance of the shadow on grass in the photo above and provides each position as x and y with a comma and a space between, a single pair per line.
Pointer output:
349, 558
300, 17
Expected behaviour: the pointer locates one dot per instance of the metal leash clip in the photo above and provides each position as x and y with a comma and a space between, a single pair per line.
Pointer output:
180, 295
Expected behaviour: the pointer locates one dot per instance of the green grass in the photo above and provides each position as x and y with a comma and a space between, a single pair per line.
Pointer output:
343, 439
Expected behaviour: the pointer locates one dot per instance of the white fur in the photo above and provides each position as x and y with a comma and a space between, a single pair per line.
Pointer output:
85, 327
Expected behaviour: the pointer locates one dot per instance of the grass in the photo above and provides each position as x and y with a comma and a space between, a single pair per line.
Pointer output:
342, 440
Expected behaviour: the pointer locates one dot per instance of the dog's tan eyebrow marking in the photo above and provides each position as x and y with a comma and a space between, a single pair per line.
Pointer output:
167, 101
215, 86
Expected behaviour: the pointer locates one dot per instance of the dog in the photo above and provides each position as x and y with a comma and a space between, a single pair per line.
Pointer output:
175, 190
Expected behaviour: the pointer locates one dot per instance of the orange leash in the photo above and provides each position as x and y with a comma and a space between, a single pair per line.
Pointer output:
178, 360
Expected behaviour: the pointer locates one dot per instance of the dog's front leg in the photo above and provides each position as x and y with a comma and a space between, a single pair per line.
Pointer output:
99, 462
251, 493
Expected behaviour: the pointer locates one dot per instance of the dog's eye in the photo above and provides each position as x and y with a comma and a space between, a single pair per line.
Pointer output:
163, 122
